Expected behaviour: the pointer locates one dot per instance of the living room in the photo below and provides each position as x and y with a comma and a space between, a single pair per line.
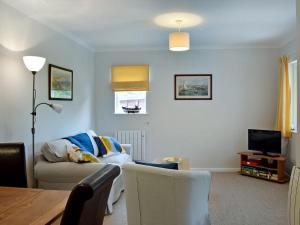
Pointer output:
238, 43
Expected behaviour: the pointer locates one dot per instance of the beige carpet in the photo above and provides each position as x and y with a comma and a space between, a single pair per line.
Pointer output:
234, 200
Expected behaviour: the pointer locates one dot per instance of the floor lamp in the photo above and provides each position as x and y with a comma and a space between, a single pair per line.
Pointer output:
35, 64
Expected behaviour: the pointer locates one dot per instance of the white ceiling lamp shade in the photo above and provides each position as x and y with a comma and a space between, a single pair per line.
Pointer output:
179, 41
34, 63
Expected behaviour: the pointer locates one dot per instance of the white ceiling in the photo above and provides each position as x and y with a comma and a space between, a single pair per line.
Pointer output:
129, 24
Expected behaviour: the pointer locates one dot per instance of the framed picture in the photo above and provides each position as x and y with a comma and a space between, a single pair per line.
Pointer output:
193, 87
60, 83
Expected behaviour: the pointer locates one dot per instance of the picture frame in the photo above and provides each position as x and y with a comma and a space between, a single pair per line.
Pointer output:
60, 83
193, 86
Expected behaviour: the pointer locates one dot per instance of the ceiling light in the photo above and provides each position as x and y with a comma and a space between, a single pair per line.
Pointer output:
179, 41
169, 19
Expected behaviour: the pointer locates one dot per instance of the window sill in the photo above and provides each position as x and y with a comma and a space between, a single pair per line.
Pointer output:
131, 114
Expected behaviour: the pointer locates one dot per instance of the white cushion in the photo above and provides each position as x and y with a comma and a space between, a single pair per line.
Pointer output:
119, 158
56, 151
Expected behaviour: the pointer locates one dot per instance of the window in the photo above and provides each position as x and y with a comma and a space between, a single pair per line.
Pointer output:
293, 85
127, 102
130, 84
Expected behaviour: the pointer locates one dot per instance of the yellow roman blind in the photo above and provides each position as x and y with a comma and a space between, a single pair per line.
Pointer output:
130, 78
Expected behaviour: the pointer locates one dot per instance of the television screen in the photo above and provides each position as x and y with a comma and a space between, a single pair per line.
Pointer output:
264, 140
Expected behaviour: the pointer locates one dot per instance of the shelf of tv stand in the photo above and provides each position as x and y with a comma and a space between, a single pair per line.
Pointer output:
263, 167
259, 155
277, 167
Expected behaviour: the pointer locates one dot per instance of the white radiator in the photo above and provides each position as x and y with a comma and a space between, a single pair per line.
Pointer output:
137, 138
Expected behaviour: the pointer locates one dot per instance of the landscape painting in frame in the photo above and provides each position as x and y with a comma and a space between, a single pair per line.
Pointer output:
193, 87
60, 83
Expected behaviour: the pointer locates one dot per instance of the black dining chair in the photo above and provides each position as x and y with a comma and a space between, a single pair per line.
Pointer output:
88, 200
13, 165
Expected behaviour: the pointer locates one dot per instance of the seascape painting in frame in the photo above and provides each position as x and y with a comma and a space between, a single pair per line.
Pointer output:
60, 83
193, 87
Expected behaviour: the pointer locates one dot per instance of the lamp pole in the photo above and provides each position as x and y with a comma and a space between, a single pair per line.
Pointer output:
33, 113
35, 64
57, 108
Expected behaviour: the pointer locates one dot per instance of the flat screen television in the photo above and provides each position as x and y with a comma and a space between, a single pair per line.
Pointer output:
265, 141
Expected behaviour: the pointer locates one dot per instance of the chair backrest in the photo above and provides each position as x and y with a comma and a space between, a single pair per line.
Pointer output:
13, 165
294, 197
166, 197
88, 200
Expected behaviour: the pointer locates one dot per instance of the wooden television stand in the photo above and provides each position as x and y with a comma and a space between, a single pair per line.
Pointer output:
267, 167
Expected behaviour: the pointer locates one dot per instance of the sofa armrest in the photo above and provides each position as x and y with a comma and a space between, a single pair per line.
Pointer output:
127, 147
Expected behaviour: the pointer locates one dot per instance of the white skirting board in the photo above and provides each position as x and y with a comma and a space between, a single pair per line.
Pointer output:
219, 170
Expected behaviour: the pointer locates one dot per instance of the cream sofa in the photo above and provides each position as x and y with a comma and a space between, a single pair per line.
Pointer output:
65, 175
166, 197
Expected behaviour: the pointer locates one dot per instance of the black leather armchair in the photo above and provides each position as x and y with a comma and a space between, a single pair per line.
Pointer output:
13, 165
88, 200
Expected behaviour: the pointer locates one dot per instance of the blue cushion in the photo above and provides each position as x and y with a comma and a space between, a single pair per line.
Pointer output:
171, 166
83, 141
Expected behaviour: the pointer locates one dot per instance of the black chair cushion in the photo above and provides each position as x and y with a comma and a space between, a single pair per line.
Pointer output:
171, 166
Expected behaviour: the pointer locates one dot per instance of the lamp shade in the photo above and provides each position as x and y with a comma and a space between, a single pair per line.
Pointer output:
57, 108
179, 41
34, 63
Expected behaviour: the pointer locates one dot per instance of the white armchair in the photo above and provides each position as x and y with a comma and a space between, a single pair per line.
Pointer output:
156, 196
294, 198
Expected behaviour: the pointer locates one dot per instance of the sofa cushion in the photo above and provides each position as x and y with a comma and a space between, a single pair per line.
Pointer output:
56, 151
120, 159
64, 172
70, 172
172, 166
82, 141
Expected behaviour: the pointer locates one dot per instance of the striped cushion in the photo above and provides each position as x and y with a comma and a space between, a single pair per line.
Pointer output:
107, 144
294, 197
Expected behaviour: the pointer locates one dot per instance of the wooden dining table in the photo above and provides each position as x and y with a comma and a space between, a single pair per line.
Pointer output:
26, 206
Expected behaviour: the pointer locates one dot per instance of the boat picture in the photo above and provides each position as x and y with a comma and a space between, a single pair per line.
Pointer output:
130, 102
135, 109
193, 86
